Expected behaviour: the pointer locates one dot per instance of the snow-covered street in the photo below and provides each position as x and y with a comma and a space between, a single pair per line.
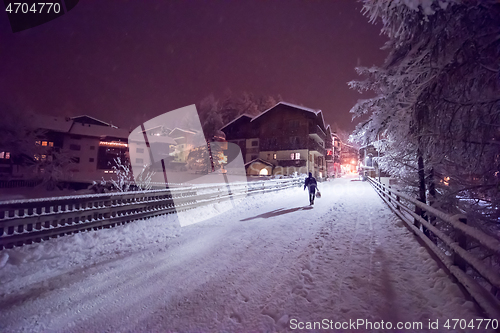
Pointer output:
267, 265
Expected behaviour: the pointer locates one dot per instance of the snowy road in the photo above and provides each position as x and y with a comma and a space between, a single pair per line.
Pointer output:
265, 265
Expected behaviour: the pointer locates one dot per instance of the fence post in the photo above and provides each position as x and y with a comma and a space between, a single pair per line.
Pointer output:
418, 211
461, 239
398, 202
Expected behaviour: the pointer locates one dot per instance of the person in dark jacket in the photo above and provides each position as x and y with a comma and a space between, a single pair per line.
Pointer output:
311, 184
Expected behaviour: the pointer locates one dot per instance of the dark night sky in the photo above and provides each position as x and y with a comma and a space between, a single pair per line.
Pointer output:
127, 61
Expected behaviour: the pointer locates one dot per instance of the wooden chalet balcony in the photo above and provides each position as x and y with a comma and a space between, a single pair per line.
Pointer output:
310, 144
294, 163
313, 145
316, 131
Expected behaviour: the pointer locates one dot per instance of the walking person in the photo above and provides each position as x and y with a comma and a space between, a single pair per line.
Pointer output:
311, 184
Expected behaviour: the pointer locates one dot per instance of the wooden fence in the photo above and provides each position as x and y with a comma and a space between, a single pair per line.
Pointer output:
482, 281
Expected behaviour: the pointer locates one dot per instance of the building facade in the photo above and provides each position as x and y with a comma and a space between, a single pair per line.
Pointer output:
349, 158
74, 150
333, 157
283, 140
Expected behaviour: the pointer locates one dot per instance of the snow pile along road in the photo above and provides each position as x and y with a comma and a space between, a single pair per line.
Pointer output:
269, 264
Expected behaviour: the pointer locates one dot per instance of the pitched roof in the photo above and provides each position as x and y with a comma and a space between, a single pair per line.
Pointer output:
53, 123
292, 106
98, 131
317, 113
259, 160
91, 120
177, 129
235, 119
69, 125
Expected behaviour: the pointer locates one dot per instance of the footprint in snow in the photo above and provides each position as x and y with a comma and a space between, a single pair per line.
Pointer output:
235, 317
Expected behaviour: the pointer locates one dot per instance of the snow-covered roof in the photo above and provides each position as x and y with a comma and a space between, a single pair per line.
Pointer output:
70, 126
259, 160
232, 121
98, 130
88, 119
52, 123
293, 106
161, 139
177, 129
318, 114
321, 130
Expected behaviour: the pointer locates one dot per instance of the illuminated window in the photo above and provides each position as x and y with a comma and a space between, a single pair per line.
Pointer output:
44, 157
44, 143
297, 156
292, 156
36, 157
274, 156
38, 142
51, 144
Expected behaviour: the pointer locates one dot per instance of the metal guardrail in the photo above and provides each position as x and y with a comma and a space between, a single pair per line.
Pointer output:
27, 221
460, 259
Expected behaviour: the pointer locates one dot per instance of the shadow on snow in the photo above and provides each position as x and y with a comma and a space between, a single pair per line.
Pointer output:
277, 212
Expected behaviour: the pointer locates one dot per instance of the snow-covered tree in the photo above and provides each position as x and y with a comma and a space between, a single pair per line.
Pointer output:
198, 160
17, 135
52, 166
215, 113
210, 115
438, 99
123, 179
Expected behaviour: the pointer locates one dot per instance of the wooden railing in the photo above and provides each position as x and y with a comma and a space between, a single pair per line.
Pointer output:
27, 221
482, 281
